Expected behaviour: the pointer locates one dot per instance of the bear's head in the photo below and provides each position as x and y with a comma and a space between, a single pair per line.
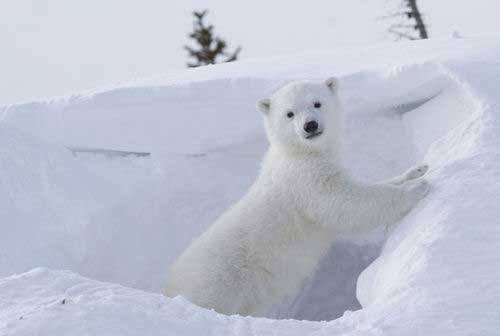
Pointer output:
303, 116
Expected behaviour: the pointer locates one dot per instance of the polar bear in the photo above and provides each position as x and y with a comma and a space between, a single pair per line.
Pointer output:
263, 248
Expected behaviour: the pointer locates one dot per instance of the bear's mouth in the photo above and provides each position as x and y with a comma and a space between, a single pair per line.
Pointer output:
314, 135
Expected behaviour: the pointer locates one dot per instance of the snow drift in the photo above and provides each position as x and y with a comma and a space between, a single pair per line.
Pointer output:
121, 220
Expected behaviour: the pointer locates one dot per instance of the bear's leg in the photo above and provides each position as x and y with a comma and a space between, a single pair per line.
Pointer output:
374, 205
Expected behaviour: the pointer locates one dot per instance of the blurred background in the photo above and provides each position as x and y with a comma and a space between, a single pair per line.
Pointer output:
56, 47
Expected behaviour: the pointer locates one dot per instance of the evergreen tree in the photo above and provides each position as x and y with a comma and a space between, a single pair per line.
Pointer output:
411, 13
211, 49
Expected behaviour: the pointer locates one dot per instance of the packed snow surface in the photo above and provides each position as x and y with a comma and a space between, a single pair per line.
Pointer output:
100, 192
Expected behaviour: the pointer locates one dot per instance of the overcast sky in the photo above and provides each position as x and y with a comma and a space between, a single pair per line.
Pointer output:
56, 47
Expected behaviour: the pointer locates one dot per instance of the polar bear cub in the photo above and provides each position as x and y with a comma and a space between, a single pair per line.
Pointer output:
262, 248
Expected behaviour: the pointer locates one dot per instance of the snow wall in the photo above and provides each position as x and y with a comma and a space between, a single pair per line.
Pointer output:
121, 218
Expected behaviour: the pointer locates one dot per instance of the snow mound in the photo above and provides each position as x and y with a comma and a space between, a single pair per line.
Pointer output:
122, 219
48, 302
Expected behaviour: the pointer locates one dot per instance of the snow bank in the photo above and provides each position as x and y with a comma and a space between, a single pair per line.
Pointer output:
122, 220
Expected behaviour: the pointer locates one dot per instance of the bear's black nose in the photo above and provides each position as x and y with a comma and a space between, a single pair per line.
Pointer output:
311, 126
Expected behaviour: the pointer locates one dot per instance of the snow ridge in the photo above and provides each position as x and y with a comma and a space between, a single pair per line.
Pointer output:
122, 220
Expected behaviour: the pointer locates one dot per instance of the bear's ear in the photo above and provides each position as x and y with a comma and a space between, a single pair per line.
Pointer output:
332, 83
264, 105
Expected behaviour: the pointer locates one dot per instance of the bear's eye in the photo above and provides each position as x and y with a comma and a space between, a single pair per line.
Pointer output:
317, 104
290, 115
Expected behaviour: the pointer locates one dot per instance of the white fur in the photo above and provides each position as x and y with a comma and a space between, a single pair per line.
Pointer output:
264, 246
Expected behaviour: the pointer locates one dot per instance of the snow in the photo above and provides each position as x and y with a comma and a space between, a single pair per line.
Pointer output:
87, 238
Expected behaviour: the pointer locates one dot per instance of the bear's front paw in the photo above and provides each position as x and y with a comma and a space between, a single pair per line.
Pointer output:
416, 172
419, 188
